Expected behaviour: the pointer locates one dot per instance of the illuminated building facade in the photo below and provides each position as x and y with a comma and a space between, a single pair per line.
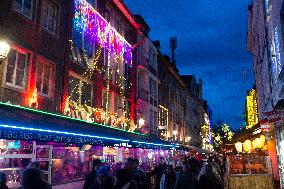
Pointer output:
265, 42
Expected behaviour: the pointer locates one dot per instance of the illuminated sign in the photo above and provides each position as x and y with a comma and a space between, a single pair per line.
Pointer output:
252, 115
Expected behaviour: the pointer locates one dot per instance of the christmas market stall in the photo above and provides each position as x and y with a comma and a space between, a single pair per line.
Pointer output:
64, 147
248, 161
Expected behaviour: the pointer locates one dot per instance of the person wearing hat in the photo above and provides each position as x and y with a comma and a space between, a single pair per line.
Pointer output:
103, 180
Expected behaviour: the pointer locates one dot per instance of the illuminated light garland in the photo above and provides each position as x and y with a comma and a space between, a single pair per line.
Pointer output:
88, 21
65, 117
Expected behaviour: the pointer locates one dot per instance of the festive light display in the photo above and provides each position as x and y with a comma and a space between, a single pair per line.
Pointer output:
88, 21
33, 103
64, 117
247, 146
239, 146
93, 27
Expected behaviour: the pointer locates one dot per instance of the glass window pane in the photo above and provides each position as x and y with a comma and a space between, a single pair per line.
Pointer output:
77, 38
9, 75
47, 70
20, 78
12, 57
44, 13
39, 76
86, 94
45, 86
17, 5
88, 45
73, 89
27, 8
21, 62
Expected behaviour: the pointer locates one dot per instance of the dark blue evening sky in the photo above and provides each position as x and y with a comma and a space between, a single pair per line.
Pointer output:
211, 44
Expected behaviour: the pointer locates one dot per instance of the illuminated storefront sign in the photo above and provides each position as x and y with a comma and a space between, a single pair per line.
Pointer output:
252, 115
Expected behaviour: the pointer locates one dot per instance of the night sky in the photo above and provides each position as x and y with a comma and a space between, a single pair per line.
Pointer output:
211, 44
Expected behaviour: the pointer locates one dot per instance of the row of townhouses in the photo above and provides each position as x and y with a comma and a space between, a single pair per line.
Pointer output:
93, 60
265, 42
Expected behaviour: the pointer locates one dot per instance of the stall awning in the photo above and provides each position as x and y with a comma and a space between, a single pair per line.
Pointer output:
21, 123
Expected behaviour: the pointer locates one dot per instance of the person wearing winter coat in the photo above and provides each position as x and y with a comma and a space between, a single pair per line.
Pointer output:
169, 178
210, 179
186, 180
122, 180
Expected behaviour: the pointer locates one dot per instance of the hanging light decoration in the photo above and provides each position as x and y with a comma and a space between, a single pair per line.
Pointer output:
247, 146
239, 146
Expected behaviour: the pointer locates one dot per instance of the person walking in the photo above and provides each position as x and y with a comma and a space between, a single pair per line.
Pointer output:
209, 180
91, 177
159, 171
186, 179
103, 180
139, 176
169, 178
31, 179
122, 180
3, 181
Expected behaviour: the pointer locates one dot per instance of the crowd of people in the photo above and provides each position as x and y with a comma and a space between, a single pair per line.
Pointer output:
31, 178
192, 173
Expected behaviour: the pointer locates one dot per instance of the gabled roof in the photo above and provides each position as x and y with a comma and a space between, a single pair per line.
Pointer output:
127, 13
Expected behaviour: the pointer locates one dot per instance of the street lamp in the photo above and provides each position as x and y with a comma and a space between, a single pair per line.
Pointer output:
4, 50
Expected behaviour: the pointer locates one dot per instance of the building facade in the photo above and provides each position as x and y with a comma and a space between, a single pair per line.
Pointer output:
147, 81
171, 101
265, 42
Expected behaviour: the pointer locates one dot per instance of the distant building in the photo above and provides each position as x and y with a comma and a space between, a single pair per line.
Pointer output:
147, 81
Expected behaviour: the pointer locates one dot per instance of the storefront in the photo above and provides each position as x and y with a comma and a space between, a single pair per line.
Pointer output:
64, 147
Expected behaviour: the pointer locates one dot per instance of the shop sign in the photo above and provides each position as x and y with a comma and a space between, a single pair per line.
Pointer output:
252, 116
36, 136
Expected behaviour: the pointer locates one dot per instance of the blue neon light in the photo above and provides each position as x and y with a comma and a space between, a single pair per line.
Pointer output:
85, 135
63, 132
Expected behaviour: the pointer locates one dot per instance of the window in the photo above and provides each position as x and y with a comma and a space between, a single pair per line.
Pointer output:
17, 68
153, 92
44, 78
80, 91
23, 6
49, 16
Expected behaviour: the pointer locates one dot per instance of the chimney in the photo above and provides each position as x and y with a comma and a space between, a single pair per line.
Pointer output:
173, 45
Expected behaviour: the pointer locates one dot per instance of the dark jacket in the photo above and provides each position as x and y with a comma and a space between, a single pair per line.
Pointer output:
209, 182
185, 181
90, 180
4, 186
158, 172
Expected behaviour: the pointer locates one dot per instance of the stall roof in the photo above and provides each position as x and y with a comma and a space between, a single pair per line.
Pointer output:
17, 122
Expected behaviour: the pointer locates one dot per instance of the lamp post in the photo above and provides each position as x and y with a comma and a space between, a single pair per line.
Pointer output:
4, 50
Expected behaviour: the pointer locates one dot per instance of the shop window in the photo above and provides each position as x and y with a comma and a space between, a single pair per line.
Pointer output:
80, 91
17, 68
44, 78
23, 6
49, 16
